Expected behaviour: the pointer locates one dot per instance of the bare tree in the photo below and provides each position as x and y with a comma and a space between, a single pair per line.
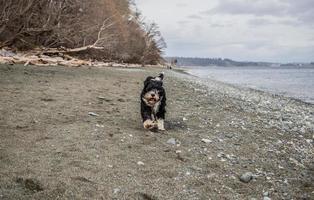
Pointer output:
155, 44
79, 26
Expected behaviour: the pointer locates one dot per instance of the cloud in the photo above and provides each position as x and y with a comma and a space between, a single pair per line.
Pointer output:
301, 11
181, 5
257, 21
195, 16
216, 25
241, 7
183, 22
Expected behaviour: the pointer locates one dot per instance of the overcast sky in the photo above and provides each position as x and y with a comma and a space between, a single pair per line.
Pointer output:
257, 30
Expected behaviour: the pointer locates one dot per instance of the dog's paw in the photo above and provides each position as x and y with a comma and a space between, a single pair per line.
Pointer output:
149, 124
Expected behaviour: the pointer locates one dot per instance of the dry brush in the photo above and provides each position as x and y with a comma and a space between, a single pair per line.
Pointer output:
91, 29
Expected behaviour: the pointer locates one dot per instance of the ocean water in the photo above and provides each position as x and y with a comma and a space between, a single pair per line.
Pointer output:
287, 81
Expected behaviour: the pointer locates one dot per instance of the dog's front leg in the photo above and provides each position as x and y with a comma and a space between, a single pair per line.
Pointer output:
148, 122
160, 124
161, 114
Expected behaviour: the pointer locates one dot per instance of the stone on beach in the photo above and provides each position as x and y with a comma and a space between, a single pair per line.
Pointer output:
246, 177
207, 141
172, 141
140, 163
93, 114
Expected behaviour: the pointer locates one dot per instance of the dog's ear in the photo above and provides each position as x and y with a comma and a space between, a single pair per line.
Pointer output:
160, 77
147, 80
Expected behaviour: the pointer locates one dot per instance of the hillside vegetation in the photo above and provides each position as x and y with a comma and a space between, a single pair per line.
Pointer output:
92, 29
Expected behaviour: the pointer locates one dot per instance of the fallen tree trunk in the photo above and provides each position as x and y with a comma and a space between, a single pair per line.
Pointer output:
75, 50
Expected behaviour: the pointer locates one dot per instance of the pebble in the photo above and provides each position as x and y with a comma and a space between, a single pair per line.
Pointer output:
187, 173
101, 98
229, 136
207, 141
220, 154
178, 151
100, 126
246, 177
266, 194
140, 163
116, 190
266, 198
220, 140
172, 141
302, 130
93, 114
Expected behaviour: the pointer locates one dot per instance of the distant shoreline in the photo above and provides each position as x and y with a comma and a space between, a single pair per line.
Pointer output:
226, 62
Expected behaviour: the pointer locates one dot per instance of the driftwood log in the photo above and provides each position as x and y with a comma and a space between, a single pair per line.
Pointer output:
53, 57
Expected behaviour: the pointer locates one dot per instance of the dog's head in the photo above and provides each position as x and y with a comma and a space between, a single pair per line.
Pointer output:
153, 90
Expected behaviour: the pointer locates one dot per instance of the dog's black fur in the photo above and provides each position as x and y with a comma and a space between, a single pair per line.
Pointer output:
153, 103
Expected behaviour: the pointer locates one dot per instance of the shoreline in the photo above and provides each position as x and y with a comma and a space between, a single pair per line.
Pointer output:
215, 134
185, 71
251, 95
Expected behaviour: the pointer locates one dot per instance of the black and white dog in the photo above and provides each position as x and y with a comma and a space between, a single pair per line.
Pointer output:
153, 103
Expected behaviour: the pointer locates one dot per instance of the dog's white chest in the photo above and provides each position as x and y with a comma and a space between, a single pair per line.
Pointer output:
156, 107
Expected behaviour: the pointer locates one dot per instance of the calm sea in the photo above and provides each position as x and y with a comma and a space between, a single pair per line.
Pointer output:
288, 81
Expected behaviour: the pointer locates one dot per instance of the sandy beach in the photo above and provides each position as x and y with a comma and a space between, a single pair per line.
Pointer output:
76, 133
